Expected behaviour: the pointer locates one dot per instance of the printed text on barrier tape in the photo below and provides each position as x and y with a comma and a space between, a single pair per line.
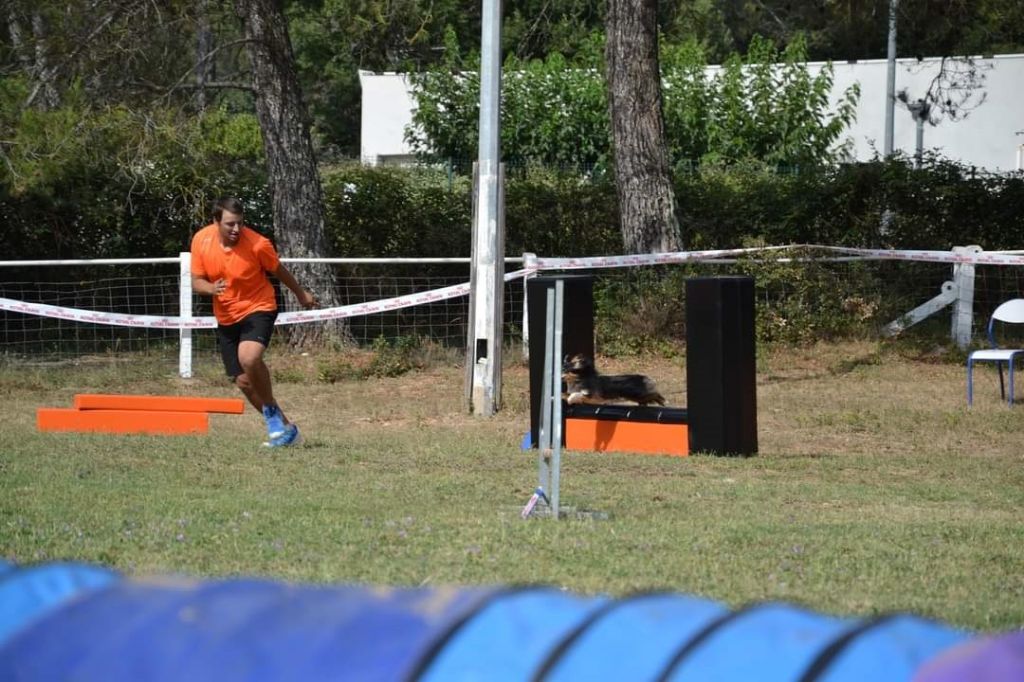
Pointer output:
295, 317
958, 257
535, 265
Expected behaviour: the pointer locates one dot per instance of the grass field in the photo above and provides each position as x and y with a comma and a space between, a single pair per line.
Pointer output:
875, 489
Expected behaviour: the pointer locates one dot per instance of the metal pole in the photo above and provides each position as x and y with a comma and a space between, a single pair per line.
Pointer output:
488, 263
185, 313
470, 309
556, 399
919, 143
544, 434
890, 81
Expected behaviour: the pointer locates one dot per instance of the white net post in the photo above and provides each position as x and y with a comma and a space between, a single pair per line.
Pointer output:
963, 305
185, 312
529, 266
487, 291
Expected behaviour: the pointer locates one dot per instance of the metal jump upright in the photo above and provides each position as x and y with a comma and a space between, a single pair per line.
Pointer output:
549, 445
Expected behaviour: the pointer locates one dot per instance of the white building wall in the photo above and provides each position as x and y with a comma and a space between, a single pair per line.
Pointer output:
387, 106
985, 138
990, 137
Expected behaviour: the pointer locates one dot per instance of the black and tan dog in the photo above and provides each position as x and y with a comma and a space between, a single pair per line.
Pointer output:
584, 384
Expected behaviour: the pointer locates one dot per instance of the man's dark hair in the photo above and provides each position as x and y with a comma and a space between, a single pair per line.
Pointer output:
229, 204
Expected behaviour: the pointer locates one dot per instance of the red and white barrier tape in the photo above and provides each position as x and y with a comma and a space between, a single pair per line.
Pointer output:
115, 319
954, 257
959, 256
675, 257
532, 265
295, 317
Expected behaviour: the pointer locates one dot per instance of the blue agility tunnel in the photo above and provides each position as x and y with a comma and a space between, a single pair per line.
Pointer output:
77, 622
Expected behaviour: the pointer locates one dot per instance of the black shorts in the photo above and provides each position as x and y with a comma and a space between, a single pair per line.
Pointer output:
258, 326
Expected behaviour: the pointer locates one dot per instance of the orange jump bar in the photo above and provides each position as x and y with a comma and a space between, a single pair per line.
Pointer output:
626, 436
158, 403
121, 421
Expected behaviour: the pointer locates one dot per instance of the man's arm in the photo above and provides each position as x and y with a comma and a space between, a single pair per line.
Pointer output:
201, 285
306, 299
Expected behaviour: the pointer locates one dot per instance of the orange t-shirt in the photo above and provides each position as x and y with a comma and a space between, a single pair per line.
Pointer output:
243, 265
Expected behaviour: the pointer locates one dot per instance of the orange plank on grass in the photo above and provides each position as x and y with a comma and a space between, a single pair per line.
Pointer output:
165, 403
625, 436
122, 421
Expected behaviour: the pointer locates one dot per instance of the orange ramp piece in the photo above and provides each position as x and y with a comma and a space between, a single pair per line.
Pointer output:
161, 403
122, 421
627, 436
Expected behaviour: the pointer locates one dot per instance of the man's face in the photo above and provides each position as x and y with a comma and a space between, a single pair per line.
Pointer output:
230, 226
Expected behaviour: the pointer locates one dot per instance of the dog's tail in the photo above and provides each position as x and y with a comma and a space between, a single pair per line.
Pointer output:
651, 394
652, 397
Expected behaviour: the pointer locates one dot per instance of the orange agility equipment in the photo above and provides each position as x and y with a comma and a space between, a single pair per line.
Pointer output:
122, 421
158, 403
627, 428
627, 436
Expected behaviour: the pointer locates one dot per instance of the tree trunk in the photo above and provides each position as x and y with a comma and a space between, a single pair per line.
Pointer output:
296, 192
205, 71
33, 57
647, 206
46, 74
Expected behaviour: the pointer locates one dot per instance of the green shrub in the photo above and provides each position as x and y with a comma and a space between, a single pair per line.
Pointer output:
396, 212
640, 311
79, 183
550, 214
394, 357
811, 301
333, 369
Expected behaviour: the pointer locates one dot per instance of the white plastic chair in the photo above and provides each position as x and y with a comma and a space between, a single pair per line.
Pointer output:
1009, 312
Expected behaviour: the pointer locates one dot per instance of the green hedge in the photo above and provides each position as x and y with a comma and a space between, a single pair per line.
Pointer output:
385, 212
424, 212
427, 212
877, 204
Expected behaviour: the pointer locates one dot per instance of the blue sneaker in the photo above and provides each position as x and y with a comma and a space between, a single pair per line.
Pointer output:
289, 437
275, 422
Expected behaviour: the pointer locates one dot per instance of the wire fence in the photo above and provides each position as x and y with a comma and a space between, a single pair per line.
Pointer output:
798, 300
28, 336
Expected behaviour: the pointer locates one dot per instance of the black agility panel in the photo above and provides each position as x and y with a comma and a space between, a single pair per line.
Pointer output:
627, 413
577, 330
720, 365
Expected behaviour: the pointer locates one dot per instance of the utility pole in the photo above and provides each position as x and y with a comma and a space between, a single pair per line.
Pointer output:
921, 111
890, 81
486, 296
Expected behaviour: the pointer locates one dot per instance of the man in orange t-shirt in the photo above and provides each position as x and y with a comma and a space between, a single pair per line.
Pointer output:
230, 262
